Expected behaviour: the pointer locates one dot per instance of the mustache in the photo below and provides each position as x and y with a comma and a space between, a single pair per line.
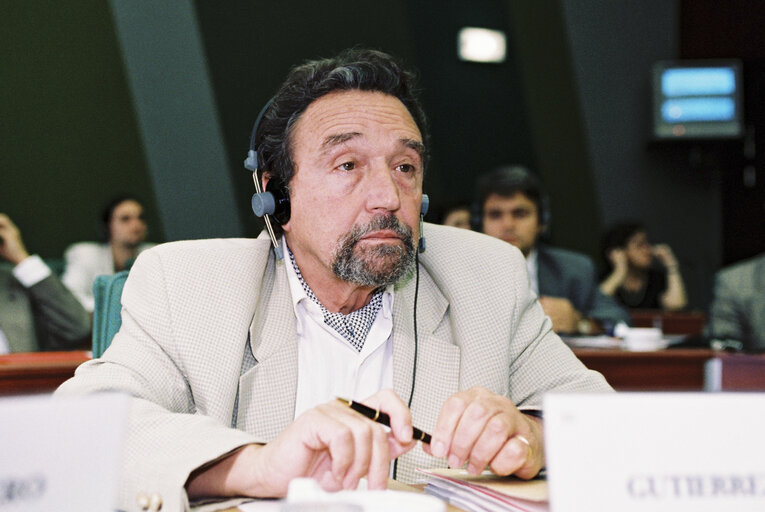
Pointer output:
381, 222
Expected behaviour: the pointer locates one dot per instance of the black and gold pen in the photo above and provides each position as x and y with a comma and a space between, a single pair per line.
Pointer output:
382, 418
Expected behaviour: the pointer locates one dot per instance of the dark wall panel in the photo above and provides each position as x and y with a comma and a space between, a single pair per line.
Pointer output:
734, 29
556, 123
477, 111
251, 46
68, 133
672, 188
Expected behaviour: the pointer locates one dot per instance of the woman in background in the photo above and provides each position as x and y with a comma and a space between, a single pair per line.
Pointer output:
124, 231
641, 276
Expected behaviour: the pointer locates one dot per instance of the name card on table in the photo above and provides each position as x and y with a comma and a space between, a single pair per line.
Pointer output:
670, 452
61, 454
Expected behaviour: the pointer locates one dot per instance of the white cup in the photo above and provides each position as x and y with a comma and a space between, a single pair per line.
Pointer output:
643, 339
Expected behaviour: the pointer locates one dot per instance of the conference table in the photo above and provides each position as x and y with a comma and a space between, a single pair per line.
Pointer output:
672, 369
27, 373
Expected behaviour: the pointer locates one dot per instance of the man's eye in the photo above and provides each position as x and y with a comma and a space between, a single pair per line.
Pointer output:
406, 168
347, 166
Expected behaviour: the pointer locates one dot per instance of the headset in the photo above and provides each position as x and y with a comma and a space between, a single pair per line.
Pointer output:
274, 202
506, 181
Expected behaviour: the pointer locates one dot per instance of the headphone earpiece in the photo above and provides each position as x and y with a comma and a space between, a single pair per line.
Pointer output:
275, 201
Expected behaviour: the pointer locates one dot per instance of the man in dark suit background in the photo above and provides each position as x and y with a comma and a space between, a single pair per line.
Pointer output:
737, 314
36, 311
511, 205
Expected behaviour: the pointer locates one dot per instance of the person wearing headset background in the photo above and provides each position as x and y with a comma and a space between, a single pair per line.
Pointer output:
512, 206
235, 350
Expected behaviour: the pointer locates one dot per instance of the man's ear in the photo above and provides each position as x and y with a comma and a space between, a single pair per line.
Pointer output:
264, 179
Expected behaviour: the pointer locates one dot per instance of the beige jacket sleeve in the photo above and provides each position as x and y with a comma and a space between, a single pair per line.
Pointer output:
168, 436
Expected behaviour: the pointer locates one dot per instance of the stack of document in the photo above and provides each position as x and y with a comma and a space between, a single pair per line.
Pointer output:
487, 492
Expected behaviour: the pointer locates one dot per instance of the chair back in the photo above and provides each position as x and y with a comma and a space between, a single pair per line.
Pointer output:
107, 315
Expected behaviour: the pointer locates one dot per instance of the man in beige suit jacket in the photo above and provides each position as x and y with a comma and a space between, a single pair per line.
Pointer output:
210, 345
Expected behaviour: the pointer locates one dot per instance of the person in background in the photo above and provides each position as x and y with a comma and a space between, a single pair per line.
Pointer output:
511, 205
124, 228
737, 314
37, 312
236, 350
640, 275
457, 215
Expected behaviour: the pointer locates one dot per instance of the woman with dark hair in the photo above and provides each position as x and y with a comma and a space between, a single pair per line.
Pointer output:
641, 276
123, 229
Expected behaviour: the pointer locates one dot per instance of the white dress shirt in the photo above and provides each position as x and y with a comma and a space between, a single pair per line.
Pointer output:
328, 365
532, 268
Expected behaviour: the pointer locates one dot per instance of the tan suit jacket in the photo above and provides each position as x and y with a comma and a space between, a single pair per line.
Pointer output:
188, 308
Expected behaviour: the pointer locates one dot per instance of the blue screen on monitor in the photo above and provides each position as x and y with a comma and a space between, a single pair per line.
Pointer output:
697, 99
698, 81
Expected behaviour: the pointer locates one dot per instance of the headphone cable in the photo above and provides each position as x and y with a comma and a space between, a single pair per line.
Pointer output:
414, 364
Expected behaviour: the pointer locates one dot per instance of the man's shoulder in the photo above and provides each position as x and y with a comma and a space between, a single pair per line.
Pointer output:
190, 264
745, 271
448, 244
223, 248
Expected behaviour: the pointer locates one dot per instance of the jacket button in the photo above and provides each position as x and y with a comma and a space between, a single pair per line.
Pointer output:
143, 501
155, 502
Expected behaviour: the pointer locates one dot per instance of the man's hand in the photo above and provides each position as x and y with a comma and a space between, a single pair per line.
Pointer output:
483, 429
562, 313
11, 246
331, 443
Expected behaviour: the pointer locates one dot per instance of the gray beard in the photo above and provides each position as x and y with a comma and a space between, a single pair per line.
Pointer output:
377, 266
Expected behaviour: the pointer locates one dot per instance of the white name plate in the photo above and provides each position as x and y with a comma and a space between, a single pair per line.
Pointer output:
670, 452
61, 454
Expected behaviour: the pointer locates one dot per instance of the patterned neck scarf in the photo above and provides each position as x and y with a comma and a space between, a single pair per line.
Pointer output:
354, 326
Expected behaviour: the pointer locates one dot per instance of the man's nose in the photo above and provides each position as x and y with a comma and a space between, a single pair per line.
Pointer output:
383, 191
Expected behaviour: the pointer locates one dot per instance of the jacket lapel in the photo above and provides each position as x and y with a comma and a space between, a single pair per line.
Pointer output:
438, 361
267, 388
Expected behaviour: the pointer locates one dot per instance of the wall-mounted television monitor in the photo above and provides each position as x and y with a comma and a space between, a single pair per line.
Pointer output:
697, 99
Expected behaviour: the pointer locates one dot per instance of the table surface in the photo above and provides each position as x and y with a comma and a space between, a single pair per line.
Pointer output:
37, 372
674, 369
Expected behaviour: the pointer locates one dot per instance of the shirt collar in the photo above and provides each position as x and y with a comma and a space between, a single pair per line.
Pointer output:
302, 303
